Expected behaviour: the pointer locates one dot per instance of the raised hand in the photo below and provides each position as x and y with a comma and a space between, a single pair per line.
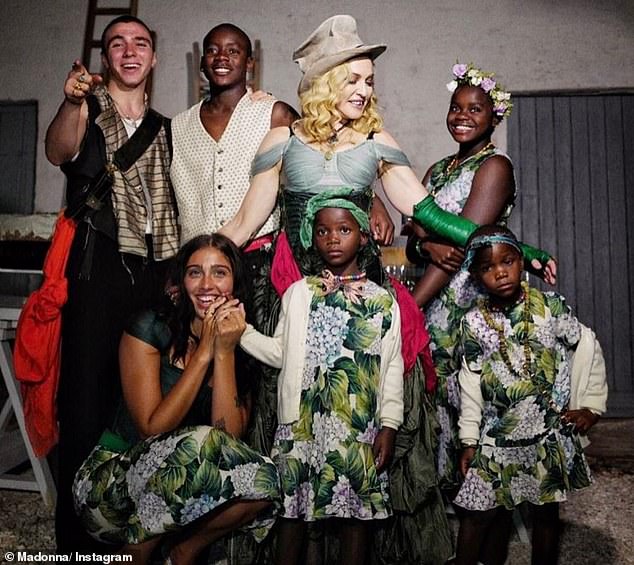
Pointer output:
80, 83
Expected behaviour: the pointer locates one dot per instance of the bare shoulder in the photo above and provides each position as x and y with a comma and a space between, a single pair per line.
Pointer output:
274, 137
283, 115
495, 174
386, 138
427, 176
496, 165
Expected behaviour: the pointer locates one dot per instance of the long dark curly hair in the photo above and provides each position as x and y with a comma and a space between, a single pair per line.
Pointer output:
182, 314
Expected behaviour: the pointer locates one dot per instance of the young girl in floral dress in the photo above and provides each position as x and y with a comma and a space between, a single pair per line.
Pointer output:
340, 391
532, 380
477, 182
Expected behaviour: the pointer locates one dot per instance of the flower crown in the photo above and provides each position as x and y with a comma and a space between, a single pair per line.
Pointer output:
470, 75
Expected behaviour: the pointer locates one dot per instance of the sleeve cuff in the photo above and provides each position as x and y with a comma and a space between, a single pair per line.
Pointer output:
389, 423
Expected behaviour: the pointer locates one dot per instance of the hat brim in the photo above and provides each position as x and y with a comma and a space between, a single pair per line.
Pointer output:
331, 61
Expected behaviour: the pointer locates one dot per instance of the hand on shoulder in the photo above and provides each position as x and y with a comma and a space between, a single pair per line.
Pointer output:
283, 115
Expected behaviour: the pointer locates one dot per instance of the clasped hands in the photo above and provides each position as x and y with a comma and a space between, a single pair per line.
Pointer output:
222, 326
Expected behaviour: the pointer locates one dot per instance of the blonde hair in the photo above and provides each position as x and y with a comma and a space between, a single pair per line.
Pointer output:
319, 111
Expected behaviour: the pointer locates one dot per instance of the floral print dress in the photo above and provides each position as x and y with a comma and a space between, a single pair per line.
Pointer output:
128, 491
325, 458
525, 452
445, 313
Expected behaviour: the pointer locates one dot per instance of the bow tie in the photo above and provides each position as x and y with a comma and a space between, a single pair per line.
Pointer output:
352, 285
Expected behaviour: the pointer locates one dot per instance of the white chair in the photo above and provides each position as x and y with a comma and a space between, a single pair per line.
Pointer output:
15, 447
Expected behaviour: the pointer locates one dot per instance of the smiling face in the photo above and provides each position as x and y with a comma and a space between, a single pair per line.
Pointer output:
129, 54
337, 238
226, 57
357, 90
208, 274
470, 119
499, 270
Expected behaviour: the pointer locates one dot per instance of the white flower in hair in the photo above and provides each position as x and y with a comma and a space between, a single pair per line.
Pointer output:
470, 75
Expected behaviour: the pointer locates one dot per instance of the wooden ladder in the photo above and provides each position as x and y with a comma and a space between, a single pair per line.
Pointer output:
90, 42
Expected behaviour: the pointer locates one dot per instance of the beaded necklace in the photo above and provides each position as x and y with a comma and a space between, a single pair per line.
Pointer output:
455, 162
343, 279
526, 372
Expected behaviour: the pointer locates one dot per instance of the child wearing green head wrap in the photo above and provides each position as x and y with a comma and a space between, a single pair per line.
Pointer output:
340, 390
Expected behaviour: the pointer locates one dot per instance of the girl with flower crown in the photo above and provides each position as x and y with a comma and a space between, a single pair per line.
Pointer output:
533, 382
340, 390
477, 182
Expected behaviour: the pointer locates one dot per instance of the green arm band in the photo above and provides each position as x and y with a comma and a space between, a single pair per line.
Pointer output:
433, 218
457, 229
530, 253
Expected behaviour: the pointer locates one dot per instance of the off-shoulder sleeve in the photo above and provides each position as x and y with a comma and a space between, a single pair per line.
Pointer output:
391, 155
268, 159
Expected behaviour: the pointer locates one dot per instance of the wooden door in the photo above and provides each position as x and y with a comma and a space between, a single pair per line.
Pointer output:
576, 199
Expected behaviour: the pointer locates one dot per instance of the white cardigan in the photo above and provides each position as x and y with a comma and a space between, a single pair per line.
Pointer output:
588, 387
286, 350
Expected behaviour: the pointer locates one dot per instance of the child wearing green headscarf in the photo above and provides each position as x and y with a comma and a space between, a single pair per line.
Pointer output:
340, 390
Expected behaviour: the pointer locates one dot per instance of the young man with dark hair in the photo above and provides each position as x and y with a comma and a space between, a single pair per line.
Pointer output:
120, 253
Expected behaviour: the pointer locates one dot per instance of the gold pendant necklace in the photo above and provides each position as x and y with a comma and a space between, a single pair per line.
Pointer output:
332, 141
455, 162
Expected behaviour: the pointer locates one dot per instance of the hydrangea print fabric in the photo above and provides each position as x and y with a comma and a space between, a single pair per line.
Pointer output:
167, 481
325, 459
451, 191
525, 454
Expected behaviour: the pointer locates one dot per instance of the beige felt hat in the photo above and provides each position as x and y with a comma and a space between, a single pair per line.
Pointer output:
335, 41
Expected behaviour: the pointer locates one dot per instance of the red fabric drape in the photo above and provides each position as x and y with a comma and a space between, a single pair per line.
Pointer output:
37, 350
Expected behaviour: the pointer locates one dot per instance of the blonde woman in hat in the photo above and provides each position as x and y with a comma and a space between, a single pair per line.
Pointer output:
340, 142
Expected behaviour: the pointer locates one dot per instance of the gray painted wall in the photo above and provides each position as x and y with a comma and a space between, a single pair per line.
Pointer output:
531, 45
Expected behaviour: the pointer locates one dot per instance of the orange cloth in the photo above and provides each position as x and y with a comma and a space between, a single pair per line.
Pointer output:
37, 350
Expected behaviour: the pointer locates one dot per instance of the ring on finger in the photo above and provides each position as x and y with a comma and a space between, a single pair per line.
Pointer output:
77, 86
82, 77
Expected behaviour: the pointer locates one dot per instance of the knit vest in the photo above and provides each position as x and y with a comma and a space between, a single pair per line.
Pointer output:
211, 177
